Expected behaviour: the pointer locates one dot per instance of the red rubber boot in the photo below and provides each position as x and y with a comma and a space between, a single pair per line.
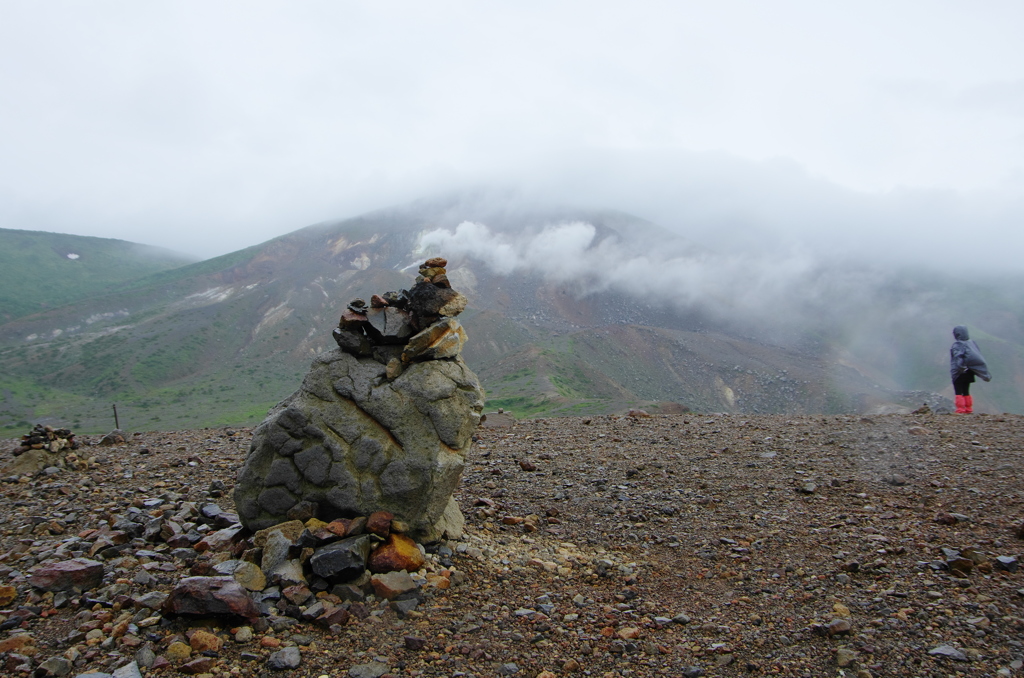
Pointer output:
961, 404
968, 404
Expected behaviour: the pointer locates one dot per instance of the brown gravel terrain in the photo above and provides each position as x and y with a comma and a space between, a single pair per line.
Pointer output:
676, 545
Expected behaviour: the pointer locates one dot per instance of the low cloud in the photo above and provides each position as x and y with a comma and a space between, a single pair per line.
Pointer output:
737, 288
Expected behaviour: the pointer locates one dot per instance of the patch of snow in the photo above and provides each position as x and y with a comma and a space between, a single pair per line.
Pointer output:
72, 255
32, 337
96, 317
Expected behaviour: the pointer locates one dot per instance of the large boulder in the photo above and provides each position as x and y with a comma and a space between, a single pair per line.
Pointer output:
358, 438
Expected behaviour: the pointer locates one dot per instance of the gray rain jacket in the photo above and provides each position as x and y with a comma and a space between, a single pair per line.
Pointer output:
965, 356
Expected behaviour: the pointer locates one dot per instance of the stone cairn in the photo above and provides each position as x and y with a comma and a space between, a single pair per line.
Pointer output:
44, 448
47, 438
360, 463
402, 327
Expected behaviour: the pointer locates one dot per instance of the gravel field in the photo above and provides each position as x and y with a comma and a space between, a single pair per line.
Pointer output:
676, 545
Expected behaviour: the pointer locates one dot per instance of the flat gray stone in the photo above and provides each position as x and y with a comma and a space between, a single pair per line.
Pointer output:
285, 659
371, 670
949, 652
130, 670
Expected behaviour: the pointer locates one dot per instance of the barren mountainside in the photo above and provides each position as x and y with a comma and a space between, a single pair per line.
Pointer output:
222, 340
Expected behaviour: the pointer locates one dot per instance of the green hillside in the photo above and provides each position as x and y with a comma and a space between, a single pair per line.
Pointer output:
220, 341
39, 270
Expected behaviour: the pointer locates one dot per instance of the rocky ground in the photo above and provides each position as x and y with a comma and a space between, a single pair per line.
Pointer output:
677, 545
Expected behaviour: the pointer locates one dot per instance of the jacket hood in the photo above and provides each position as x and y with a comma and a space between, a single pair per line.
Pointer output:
960, 333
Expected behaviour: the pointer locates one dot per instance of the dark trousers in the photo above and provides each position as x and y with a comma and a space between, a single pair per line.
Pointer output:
962, 384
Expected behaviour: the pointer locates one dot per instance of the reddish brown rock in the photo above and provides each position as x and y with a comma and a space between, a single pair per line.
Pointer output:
839, 627
221, 540
297, 594
435, 262
197, 666
336, 615
79, 574
379, 523
390, 585
210, 596
350, 320
339, 527
397, 553
415, 643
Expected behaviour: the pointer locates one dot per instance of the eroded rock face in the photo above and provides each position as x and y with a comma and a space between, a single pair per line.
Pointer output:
353, 441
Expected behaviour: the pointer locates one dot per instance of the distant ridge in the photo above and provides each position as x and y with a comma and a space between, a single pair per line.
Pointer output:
40, 270
220, 341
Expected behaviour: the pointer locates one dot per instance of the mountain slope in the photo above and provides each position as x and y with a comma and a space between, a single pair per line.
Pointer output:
47, 270
222, 340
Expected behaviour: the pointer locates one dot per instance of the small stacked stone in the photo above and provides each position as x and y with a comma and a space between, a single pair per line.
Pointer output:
397, 328
48, 438
434, 271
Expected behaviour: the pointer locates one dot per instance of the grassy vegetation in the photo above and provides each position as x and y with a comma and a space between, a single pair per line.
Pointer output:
45, 270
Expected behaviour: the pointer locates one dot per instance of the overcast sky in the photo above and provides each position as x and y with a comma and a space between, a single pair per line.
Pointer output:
210, 126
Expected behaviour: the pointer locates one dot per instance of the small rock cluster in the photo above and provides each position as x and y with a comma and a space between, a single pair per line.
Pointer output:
46, 450
48, 438
324, 574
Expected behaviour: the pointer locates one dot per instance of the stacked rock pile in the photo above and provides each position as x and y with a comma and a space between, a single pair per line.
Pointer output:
48, 438
382, 424
398, 328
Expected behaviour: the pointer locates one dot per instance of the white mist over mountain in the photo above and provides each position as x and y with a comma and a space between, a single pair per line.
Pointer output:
777, 293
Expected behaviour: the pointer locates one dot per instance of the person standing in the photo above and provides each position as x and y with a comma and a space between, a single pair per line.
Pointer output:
965, 361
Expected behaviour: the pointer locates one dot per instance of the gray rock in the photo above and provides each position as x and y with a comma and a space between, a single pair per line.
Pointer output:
145, 657
341, 560
353, 442
287, 573
404, 607
285, 659
371, 670
949, 652
275, 551
152, 600
54, 666
452, 523
130, 670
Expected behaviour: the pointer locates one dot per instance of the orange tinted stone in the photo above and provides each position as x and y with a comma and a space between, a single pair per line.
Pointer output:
397, 553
